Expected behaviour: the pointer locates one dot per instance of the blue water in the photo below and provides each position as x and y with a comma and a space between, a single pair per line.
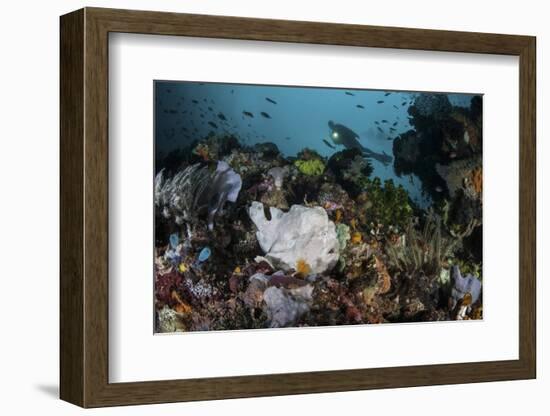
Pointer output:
298, 119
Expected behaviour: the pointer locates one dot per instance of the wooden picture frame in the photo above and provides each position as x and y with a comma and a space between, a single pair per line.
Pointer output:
84, 207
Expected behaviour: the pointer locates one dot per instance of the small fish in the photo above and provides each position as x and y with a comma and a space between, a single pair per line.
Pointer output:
438, 189
202, 115
232, 91
287, 138
402, 104
394, 124
349, 93
379, 101
452, 155
359, 106
392, 129
325, 142
248, 114
384, 121
213, 124
210, 109
271, 100
386, 94
264, 114
221, 116
396, 107
380, 130
194, 101
377, 123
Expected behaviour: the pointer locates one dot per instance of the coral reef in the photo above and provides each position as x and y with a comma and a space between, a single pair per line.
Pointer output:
442, 134
250, 234
225, 186
464, 286
351, 169
462, 175
182, 196
195, 189
387, 204
285, 306
421, 252
278, 173
312, 167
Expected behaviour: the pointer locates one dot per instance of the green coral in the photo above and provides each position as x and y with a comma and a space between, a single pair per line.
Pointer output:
387, 204
343, 235
312, 167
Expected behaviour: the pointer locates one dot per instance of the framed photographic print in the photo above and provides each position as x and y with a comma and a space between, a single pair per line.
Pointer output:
257, 207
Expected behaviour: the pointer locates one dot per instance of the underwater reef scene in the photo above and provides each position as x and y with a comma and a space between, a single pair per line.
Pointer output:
285, 206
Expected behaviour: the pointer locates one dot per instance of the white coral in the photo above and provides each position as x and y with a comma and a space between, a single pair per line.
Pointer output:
285, 307
278, 175
302, 234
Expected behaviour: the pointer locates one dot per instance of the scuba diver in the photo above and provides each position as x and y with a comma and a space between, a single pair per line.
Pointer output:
346, 137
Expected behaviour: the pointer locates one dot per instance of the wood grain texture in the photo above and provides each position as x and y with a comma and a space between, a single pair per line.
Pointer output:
527, 208
71, 208
84, 205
